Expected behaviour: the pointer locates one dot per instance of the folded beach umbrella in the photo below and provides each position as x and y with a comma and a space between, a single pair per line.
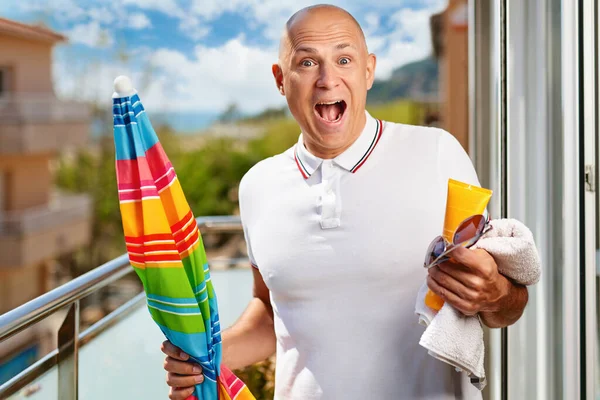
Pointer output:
165, 247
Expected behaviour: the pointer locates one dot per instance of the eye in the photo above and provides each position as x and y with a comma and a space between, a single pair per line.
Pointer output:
344, 61
307, 63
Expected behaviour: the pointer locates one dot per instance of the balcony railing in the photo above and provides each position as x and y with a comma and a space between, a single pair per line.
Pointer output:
37, 108
61, 209
64, 361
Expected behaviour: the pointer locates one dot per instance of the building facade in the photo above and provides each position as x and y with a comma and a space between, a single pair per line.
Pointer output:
37, 223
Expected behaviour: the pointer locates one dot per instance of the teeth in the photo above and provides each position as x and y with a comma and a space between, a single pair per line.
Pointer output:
338, 117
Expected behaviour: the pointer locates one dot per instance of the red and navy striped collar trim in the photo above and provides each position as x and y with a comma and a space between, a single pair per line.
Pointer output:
302, 166
352, 159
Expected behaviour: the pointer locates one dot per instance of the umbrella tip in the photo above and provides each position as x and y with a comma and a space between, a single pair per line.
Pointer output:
123, 86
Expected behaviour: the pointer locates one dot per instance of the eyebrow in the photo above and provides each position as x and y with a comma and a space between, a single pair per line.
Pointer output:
312, 50
342, 46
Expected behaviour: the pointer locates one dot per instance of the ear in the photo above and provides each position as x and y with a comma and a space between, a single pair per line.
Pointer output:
371, 64
278, 75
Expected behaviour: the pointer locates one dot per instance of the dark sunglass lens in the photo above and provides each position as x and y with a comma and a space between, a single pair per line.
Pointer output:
439, 248
436, 248
469, 228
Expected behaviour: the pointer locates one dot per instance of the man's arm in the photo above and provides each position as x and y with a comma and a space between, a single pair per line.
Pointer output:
508, 309
471, 283
251, 339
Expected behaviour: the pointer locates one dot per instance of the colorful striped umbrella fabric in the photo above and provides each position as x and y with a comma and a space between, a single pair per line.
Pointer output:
165, 246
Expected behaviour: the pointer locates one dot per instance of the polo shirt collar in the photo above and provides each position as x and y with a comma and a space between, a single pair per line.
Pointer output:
351, 160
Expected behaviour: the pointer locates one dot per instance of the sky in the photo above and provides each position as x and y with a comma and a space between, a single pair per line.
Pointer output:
202, 55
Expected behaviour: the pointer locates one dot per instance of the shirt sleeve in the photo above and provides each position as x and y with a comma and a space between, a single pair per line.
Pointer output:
249, 247
245, 202
454, 162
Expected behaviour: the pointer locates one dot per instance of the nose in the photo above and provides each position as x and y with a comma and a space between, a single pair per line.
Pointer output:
328, 78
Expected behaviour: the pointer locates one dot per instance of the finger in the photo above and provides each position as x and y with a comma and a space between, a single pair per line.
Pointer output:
180, 393
462, 255
183, 381
465, 307
469, 258
449, 283
452, 264
173, 351
181, 367
462, 274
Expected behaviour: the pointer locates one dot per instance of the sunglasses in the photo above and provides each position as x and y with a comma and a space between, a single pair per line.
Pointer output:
467, 234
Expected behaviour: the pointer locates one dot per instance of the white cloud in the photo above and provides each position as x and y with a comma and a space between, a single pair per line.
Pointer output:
189, 22
208, 78
376, 44
371, 22
139, 21
168, 7
142, 53
193, 28
210, 9
72, 80
102, 15
273, 14
63, 10
212, 78
410, 40
91, 35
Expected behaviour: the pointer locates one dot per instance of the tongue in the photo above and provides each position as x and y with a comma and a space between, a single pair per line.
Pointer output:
330, 112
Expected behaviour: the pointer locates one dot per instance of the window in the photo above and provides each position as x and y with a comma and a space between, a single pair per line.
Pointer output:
3, 79
5, 82
3, 192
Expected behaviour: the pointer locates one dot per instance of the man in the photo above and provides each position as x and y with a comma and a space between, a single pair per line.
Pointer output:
337, 228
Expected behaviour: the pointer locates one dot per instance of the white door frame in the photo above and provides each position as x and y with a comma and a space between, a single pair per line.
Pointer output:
532, 137
589, 194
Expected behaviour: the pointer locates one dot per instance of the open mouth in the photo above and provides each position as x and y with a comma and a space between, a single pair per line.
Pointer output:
331, 111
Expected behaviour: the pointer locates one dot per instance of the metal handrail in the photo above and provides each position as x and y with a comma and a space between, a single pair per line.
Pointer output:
39, 308
70, 293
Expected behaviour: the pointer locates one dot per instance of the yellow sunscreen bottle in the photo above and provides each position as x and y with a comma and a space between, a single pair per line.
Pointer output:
463, 201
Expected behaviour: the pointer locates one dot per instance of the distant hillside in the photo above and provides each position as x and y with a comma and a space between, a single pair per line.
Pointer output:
418, 79
415, 81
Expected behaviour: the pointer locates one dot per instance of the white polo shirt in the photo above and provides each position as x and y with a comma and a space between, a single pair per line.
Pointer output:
340, 244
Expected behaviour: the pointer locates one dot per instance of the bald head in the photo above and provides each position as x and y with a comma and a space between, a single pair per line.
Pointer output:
325, 72
326, 11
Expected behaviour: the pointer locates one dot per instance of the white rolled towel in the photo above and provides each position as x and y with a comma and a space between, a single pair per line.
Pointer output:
457, 339
511, 244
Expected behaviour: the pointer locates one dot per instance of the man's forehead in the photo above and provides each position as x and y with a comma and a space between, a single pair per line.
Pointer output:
322, 19
322, 26
330, 40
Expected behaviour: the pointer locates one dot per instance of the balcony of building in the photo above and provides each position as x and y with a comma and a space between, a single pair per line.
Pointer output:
41, 123
35, 234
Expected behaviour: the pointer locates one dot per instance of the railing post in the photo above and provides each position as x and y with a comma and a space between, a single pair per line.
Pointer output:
68, 355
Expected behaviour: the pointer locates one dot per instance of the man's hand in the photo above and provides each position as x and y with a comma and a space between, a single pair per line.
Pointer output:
181, 374
471, 283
